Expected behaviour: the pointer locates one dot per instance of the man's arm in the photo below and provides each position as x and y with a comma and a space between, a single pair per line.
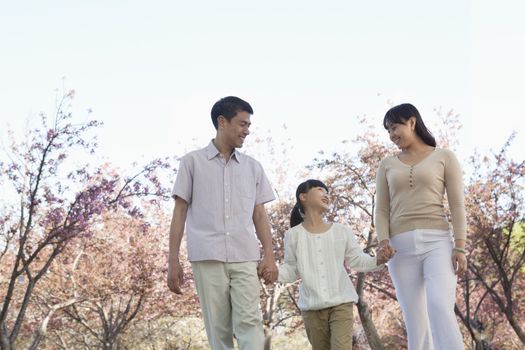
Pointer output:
262, 228
178, 220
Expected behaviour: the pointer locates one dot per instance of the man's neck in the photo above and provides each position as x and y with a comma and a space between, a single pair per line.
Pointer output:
223, 148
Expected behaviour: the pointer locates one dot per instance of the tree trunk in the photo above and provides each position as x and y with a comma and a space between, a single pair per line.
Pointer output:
516, 326
481, 345
42, 331
374, 341
4, 338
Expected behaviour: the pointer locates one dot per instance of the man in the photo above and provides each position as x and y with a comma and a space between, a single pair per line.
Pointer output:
220, 195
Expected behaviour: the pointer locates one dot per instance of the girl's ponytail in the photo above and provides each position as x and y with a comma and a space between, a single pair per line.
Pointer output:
297, 215
296, 218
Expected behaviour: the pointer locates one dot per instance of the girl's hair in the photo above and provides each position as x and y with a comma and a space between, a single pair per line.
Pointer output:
298, 210
400, 114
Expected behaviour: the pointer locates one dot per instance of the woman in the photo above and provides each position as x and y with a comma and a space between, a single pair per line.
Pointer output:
410, 218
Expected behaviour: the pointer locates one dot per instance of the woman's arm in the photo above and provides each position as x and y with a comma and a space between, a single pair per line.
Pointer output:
456, 202
456, 197
382, 209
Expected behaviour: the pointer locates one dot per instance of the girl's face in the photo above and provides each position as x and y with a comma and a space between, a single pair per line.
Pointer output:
315, 199
403, 135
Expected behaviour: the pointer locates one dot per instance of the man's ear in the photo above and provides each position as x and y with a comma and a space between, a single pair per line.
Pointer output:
220, 121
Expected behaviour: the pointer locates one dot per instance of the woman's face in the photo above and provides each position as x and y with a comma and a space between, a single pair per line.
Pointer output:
402, 135
315, 199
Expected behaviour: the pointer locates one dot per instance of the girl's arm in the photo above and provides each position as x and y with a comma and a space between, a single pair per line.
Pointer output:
355, 257
288, 270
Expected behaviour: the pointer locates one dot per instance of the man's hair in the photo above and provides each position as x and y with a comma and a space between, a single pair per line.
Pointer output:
228, 107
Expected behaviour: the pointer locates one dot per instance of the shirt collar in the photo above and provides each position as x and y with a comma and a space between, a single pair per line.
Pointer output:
213, 152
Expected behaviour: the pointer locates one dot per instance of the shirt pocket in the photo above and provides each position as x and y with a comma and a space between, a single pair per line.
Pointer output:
246, 192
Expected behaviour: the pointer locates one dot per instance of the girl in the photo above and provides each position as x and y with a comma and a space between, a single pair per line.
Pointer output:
316, 251
410, 217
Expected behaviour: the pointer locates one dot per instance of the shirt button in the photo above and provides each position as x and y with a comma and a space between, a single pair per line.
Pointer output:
227, 233
226, 200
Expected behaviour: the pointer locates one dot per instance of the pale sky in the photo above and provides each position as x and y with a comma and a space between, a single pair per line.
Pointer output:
151, 70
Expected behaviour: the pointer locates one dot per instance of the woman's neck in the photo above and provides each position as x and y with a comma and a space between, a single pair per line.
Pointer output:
417, 147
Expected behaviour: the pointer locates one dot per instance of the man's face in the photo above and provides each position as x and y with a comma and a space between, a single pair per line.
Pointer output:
236, 129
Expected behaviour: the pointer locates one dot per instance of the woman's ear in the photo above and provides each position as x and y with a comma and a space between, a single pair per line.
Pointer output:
412, 123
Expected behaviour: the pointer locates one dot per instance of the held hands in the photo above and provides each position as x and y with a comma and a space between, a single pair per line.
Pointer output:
175, 276
385, 252
268, 270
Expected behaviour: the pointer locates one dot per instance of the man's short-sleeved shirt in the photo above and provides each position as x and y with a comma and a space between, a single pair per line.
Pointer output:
221, 197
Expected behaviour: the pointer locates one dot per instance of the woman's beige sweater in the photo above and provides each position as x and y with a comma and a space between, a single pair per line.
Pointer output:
411, 197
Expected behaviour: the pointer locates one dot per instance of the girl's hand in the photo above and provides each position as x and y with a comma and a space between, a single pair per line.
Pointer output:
385, 252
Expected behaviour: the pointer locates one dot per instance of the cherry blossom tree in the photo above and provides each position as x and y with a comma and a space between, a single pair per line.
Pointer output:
51, 199
496, 279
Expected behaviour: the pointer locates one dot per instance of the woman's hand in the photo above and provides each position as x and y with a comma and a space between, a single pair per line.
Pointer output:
385, 252
459, 256
459, 261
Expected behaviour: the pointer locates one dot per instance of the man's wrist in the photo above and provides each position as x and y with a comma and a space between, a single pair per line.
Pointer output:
174, 259
268, 255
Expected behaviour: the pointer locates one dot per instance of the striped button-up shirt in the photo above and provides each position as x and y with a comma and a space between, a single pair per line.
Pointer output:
318, 259
221, 197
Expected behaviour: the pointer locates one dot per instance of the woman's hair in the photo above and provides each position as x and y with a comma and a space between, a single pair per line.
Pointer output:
401, 113
298, 210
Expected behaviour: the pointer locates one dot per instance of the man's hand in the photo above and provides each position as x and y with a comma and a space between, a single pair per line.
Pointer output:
268, 269
175, 277
175, 273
